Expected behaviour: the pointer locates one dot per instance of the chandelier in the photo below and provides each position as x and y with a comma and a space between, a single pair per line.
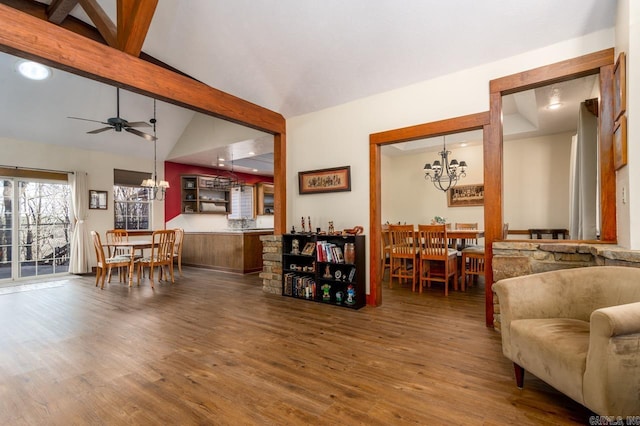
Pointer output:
157, 188
445, 174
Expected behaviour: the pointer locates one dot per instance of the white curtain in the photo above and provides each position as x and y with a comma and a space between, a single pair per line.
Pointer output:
583, 208
80, 253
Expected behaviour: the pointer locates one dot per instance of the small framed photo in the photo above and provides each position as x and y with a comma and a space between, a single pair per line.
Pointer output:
620, 143
619, 86
97, 200
335, 179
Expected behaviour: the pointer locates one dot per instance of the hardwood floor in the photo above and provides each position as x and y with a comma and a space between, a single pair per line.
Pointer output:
214, 349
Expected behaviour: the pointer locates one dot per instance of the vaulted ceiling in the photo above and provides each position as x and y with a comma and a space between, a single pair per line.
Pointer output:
299, 56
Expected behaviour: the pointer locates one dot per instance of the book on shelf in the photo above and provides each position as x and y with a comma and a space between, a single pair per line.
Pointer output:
329, 252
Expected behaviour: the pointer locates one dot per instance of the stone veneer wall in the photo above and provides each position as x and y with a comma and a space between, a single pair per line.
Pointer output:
515, 258
271, 264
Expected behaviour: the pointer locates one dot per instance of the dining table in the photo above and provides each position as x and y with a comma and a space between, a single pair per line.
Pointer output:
133, 246
462, 235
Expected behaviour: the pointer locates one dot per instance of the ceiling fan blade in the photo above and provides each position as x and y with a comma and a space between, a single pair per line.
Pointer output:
138, 124
86, 119
103, 129
141, 134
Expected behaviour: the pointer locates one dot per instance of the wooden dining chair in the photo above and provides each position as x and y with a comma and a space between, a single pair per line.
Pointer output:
385, 241
105, 264
162, 248
472, 226
472, 265
177, 248
403, 255
438, 262
116, 236
473, 261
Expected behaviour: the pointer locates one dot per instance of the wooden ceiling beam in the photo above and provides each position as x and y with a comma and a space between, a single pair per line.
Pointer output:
32, 38
134, 19
58, 10
101, 20
39, 10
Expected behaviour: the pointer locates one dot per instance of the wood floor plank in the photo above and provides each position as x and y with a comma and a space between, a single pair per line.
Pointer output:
214, 349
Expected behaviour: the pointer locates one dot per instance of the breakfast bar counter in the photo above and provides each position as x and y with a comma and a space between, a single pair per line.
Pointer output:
238, 251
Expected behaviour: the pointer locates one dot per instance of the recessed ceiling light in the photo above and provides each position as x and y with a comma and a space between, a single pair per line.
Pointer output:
33, 70
255, 170
220, 164
220, 159
554, 105
252, 153
463, 144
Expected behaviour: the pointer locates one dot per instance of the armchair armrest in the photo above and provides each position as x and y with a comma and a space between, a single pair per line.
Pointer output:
612, 375
616, 320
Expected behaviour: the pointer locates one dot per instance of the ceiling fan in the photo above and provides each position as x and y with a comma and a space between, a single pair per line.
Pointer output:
119, 124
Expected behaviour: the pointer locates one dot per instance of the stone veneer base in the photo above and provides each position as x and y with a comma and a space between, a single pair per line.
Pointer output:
516, 258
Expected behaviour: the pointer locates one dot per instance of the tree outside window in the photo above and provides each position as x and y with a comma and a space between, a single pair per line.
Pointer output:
132, 207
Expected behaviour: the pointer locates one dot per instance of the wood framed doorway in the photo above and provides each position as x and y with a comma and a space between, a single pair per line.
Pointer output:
376, 141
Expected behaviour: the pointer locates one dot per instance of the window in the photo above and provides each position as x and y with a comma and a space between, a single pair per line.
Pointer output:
132, 205
35, 228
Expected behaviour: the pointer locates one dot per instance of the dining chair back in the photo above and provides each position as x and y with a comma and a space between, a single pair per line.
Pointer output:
385, 246
177, 248
471, 226
403, 255
162, 248
116, 236
438, 262
105, 264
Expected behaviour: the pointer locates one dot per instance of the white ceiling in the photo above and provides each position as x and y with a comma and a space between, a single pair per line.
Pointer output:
299, 56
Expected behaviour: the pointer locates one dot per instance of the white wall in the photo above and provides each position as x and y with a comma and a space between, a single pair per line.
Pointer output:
408, 197
340, 135
98, 165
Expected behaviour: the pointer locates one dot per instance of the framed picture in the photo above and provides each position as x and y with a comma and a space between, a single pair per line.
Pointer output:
620, 142
97, 199
325, 180
619, 86
466, 195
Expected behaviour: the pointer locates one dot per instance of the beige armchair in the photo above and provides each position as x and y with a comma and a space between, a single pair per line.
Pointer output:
579, 331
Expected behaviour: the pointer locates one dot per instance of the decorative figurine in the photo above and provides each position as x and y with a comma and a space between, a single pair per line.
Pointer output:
295, 246
331, 229
309, 224
302, 224
351, 295
326, 295
339, 296
293, 229
327, 272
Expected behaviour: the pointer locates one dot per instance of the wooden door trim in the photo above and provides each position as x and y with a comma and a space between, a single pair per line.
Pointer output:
593, 63
376, 141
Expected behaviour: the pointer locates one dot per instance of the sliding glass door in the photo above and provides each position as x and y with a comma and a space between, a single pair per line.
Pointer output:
35, 234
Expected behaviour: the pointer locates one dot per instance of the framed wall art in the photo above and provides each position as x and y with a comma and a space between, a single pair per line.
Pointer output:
335, 179
620, 143
97, 200
619, 86
466, 195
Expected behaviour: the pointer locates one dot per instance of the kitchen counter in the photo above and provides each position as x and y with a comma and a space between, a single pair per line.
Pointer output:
231, 250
